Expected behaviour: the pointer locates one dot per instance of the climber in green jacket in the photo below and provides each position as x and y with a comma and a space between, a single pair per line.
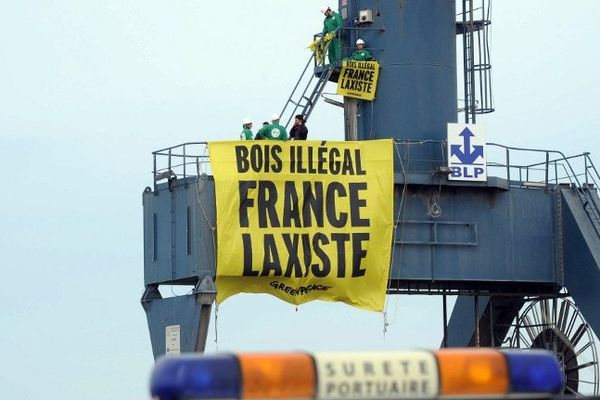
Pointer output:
361, 54
246, 132
272, 131
332, 23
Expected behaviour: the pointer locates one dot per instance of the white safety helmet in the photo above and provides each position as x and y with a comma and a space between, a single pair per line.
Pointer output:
360, 41
246, 121
324, 9
275, 117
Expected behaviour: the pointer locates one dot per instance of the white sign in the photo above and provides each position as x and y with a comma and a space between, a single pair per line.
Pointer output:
467, 153
172, 340
381, 375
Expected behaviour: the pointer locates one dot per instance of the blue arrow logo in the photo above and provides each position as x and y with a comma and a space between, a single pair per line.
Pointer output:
468, 155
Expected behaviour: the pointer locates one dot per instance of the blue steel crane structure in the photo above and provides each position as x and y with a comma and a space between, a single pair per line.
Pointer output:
531, 231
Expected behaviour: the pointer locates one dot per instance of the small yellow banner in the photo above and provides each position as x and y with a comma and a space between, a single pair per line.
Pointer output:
304, 220
358, 79
319, 46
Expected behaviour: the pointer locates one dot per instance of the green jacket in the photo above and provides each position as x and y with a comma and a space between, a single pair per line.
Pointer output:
272, 132
332, 23
246, 134
361, 55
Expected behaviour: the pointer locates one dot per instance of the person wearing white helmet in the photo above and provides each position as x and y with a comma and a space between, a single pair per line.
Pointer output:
246, 132
332, 24
272, 131
361, 54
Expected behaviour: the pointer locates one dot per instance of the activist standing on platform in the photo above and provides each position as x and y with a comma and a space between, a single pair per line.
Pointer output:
273, 131
361, 54
299, 131
332, 24
246, 132
265, 123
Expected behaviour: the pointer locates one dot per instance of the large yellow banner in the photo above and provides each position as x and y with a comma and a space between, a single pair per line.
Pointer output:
304, 220
358, 79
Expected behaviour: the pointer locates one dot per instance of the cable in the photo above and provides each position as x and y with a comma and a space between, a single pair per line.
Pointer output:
399, 218
198, 193
216, 327
435, 210
213, 233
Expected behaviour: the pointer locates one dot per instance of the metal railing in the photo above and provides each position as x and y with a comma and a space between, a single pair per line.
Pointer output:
577, 171
520, 167
180, 161
554, 168
511, 163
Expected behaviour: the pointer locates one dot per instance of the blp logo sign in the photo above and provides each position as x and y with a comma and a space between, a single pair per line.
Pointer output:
466, 153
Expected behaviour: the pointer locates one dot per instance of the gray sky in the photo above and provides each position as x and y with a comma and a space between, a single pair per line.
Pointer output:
89, 89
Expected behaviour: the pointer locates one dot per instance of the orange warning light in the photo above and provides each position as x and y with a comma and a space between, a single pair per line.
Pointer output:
272, 375
465, 372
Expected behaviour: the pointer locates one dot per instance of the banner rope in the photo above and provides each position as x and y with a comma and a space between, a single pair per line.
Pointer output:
201, 171
397, 221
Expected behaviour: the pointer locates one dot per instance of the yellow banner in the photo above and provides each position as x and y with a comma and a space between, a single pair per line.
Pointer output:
319, 46
358, 79
304, 220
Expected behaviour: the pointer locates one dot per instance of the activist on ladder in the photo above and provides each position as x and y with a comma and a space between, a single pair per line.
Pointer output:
331, 25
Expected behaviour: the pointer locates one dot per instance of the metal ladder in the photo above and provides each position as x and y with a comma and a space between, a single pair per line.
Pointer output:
476, 58
306, 92
585, 184
468, 61
589, 194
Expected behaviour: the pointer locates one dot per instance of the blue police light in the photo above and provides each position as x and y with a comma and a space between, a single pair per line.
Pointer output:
214, 377
534, 371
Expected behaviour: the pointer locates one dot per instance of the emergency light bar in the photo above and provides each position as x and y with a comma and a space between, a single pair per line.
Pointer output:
488, 373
